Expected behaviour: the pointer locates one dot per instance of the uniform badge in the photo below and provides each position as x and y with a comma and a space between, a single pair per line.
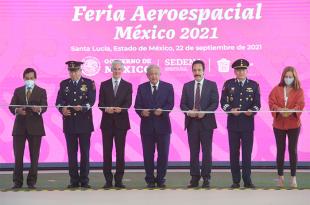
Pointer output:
249, 90
84, 88
232, 90
231, 98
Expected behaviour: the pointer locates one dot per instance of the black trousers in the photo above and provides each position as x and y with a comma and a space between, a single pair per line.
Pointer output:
119, 137
200, 137
292, 135
246, 140
149, 144
34, 143
73, 142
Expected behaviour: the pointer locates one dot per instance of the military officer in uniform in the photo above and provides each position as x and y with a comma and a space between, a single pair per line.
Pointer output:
241, 98
75, 98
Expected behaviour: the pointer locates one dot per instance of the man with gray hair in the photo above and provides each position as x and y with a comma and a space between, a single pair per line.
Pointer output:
115, 97
154, 100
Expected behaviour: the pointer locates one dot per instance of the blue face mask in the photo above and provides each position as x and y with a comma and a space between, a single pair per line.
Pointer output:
29, 83
288, 80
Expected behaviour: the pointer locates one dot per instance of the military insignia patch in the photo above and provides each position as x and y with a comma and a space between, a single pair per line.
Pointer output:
250, 90
84, 88
232, 90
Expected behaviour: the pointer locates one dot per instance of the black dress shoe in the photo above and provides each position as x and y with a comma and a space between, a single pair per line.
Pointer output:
193, 184
17, 186
31, 186
249, 186
73, 186
120, 185
206, 184
151, 185
235, 186
85, 185
108, 185
161, 185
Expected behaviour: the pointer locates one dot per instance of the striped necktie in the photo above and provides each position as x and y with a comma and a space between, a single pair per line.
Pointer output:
115, 87
197, 97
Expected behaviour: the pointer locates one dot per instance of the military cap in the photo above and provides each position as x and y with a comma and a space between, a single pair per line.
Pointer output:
74, 65
240, 64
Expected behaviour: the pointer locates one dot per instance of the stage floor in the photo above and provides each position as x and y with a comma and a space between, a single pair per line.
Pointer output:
51, 189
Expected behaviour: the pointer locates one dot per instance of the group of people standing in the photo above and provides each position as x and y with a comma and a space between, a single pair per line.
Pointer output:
154, 101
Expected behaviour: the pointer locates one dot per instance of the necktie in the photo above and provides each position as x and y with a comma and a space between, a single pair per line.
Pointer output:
154, 91
197, 97
240, 84
115, 87
74, 83
28, 94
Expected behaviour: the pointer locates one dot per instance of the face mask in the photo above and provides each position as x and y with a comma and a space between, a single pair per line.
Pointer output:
288, 81
29, 83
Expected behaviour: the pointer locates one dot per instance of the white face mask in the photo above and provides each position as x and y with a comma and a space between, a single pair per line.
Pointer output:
288, 80
29, 83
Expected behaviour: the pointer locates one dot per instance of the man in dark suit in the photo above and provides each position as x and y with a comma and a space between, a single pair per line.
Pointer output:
200, 95
28, 126
115, 97
240, 97
75, 98
153, 102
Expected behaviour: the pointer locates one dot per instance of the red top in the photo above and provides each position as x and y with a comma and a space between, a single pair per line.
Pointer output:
295, 101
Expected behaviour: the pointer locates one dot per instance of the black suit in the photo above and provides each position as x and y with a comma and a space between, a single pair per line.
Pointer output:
27, 127
114, 126
200, 131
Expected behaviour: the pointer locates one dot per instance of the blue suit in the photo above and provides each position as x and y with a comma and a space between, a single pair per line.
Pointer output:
79, 125
200, 130
155, 130
241, 127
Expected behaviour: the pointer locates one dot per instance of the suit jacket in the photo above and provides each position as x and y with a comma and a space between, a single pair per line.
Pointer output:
164, 99
32, 122
122, 99
84, 93
209, 102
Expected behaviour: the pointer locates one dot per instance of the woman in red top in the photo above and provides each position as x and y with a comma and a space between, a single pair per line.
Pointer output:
286, 98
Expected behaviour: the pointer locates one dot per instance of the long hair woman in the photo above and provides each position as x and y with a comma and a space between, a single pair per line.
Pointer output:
287, 99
